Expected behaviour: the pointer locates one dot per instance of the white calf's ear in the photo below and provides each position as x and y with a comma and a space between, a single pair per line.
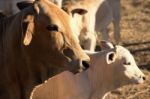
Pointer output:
106, 45
111, 57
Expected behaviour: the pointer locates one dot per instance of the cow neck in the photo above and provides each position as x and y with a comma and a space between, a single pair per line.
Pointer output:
100, 79
82, 81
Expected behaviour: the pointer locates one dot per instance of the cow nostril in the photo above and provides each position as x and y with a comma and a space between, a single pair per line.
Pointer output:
86, 64
144, 78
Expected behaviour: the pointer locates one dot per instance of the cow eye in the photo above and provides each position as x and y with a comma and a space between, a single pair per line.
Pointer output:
52, 27
127, 63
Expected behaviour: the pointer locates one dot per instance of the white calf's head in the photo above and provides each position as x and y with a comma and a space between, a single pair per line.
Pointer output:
127, 66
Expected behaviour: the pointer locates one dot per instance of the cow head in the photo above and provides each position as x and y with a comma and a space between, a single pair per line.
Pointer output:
75, 11
127, 67
124, 64
116, 64
48, 38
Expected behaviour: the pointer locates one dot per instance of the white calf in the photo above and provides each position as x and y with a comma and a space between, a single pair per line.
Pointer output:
110, 69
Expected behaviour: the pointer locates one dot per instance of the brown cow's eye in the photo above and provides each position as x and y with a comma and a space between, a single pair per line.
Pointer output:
52, 27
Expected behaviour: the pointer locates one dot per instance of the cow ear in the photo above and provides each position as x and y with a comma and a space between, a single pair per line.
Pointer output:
75, 9
111, 57
36, 9
28, 29
80, 11
104, 45
24, 4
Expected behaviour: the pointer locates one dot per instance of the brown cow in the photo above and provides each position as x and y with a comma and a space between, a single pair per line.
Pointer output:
36, 43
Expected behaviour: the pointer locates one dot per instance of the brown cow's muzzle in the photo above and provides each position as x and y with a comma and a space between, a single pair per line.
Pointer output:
85, 64
79, 65
78, 62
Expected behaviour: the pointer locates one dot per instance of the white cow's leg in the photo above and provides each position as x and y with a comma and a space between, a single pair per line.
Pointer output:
103, 18
104, 33
116, 31
91, 42
116, 20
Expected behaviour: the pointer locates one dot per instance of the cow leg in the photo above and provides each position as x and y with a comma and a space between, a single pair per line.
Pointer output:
104, 33
89, 42
104, 17
116, 31
116, 20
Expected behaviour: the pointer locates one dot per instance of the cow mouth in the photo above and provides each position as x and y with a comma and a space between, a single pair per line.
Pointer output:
137, 80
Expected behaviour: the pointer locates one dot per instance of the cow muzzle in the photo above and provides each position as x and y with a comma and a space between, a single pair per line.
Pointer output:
140, 79
79, 65
84, 64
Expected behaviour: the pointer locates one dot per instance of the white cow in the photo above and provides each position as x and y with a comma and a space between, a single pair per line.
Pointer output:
110, 69
107, 13
100, 13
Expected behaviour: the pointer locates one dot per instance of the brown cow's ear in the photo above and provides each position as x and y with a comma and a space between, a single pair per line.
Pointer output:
111, 57
24, 4
28, 24
36, 8
28, 29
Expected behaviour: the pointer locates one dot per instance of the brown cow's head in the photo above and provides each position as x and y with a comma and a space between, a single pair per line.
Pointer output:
48, 38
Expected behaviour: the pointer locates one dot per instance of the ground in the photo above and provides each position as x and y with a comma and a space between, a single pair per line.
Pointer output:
135, 33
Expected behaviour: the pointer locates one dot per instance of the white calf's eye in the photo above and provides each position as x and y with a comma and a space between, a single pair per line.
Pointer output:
127, 63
